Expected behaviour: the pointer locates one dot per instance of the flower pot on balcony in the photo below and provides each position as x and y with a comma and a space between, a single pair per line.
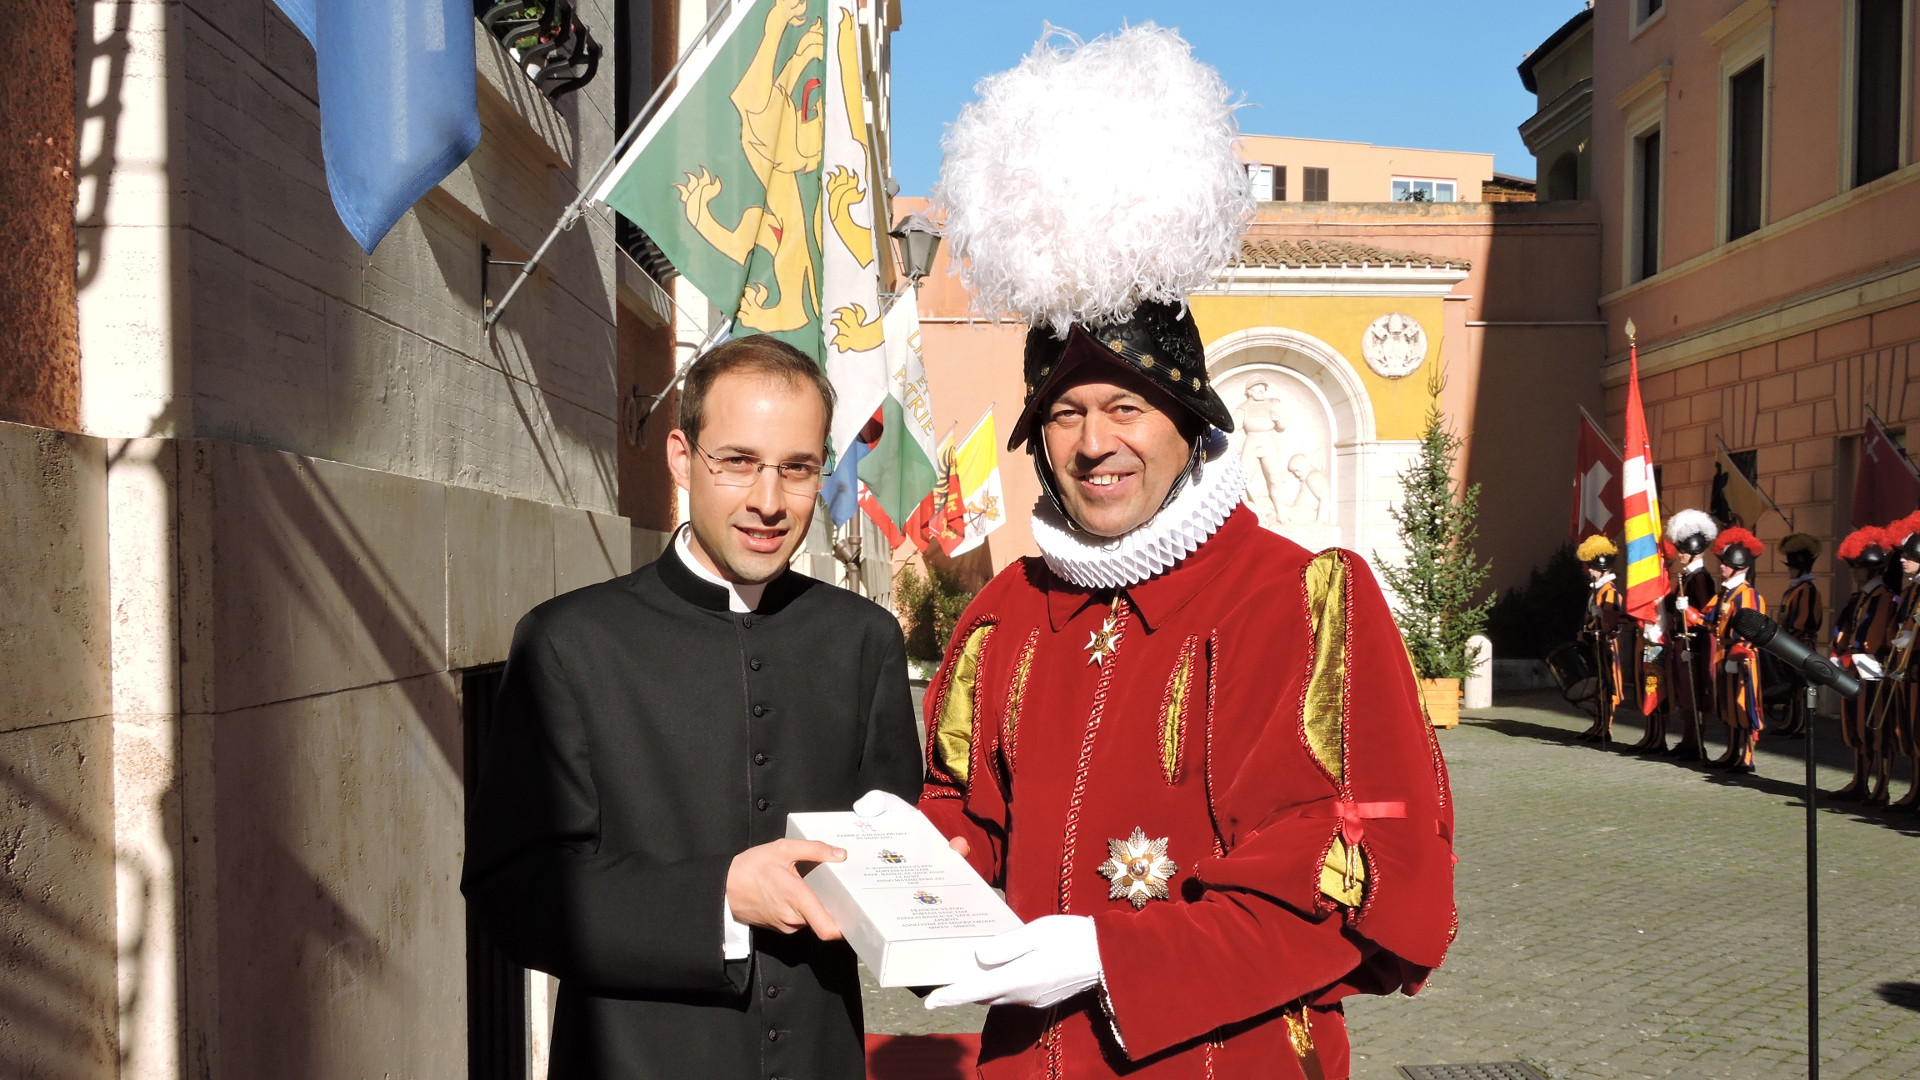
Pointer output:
1442, 699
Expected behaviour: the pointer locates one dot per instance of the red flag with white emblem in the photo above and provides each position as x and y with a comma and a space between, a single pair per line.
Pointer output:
1886, 487
1596, 482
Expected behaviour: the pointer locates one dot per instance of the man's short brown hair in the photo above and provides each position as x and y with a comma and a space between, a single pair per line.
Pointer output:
756, 354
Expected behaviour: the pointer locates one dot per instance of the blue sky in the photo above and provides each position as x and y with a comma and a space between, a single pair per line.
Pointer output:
1391, 72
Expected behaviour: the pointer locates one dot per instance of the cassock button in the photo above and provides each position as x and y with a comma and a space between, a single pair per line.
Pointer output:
762, 803
773, 1035
773, 991
747, 622
760, 759
754, 663
759, 710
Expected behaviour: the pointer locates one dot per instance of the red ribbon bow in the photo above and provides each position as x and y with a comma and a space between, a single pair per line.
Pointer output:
1353, 815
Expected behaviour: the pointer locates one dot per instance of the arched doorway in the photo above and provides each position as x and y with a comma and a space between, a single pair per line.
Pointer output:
1317, 473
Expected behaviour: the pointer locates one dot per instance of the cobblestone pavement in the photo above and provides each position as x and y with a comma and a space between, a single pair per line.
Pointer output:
1627, 918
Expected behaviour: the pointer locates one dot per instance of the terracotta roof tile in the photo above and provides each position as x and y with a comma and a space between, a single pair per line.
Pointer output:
1305, 254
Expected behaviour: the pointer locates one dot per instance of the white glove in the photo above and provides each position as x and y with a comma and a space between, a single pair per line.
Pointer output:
1042, 963
1652, 632
1679, 603
1867, 667
1903, 640
876, 802
1733, 667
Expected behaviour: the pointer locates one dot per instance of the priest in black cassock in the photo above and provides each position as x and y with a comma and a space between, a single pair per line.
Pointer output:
654, 731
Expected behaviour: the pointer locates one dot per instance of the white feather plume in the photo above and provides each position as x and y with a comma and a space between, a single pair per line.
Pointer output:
1687, 523
1091, 177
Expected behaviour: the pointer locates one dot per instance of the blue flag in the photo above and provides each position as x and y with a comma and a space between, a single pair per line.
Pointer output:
398, 111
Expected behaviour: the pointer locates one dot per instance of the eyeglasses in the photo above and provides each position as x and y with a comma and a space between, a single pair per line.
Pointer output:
740, 470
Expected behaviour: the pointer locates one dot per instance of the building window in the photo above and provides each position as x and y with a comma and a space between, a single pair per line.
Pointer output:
1879, 39
1746, 148
1260, 180
1279, 183
1646, 205
1644, 12
1410, 189
1313, 183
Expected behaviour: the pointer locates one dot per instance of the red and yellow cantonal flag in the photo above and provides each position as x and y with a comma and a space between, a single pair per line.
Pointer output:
1647, 580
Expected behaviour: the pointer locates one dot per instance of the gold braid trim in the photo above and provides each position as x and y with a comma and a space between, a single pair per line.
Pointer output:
1324, 707
953, 730
1174, 708
1010, 725
1323, 711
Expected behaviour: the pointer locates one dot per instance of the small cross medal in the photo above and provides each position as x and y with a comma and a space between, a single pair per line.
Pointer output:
1105, 641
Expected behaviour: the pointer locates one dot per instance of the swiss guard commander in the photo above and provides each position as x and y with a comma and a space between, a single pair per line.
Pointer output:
654, 731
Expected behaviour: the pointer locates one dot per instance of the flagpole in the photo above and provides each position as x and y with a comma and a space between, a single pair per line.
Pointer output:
578, 205
1600, 431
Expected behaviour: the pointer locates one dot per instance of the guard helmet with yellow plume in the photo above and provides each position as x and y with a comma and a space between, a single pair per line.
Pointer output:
1597, 552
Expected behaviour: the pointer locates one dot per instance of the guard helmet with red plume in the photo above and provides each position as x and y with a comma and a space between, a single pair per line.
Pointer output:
1867, 547
1905, 536
1737, 547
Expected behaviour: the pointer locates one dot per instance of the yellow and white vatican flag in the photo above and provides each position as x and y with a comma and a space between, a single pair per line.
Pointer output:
976, 464
850, 270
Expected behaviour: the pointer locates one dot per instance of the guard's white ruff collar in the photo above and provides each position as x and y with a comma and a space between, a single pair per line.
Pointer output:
1208, 495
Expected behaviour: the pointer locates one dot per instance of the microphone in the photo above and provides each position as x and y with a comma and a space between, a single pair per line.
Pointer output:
1765, 633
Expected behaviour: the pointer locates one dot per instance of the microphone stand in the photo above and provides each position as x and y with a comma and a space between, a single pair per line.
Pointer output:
1813, 891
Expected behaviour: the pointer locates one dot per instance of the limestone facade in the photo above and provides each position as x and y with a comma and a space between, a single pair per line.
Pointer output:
269, 509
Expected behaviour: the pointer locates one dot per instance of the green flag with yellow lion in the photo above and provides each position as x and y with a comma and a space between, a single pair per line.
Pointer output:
755, 177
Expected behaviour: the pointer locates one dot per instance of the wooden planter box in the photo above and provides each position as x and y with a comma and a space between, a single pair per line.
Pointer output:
1442, 698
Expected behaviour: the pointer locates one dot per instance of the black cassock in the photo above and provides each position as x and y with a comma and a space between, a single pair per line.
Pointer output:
644, 736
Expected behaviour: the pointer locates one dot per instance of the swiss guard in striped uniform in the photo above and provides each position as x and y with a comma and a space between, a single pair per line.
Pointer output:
1903, 711
1862, 634
1601, 632
1192, 752
1736, 664
1801, 614
1691, 532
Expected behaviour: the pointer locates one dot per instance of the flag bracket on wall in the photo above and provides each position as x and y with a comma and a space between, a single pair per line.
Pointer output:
578, 206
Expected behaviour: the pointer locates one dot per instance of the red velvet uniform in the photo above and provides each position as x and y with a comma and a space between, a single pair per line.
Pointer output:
1259, 712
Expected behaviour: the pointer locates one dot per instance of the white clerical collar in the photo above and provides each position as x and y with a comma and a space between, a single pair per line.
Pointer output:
1601, 580
1735, 581
739, 597
1209, 494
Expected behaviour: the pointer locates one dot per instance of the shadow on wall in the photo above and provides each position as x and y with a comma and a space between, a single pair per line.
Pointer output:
57, 947
1541, 349
335, 765
100, 66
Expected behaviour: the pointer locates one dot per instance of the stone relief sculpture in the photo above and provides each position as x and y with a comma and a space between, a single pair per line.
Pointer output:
1394, 345
1282, 435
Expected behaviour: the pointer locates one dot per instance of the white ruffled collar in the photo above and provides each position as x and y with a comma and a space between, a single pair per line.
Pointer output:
1210, 494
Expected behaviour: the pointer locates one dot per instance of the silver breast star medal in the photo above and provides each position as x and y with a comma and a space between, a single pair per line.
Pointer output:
1105, 641
1138, 868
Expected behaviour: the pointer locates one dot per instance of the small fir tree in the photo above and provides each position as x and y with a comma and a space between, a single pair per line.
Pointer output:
1436, 586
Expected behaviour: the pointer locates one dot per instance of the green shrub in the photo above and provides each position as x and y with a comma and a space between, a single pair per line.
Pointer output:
930, 606
1529, 621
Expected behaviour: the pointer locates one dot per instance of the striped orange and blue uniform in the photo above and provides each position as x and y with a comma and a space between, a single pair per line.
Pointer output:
1904, 711
1606, 612
1800, 613
1864, 625
1736, 667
